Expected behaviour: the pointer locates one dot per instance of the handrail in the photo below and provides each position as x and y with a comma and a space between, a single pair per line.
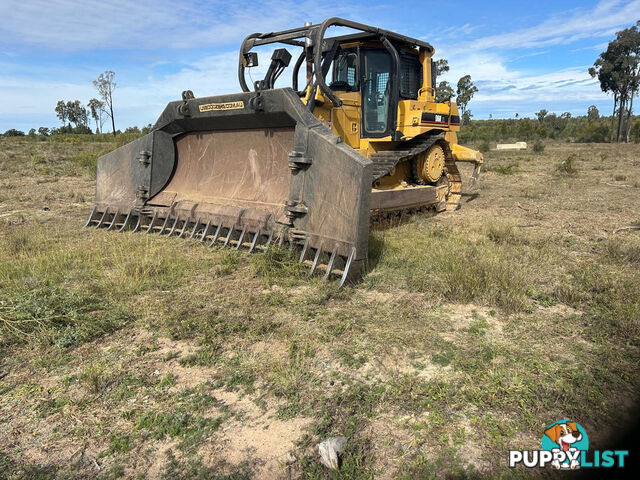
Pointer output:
316, 34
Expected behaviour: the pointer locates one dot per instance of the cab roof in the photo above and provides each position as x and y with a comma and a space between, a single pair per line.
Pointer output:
300, 35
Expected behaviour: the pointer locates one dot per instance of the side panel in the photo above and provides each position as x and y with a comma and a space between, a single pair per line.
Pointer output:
345, 122
120, 174
337, 186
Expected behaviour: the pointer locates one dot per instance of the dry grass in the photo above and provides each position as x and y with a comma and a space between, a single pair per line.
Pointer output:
144, 357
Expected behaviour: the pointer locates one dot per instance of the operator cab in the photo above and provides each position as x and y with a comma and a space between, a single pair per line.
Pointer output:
369, 70
382, 66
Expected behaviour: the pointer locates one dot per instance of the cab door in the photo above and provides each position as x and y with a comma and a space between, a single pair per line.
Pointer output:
377, 89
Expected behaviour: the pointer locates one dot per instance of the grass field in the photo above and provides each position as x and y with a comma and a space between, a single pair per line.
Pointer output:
134, 356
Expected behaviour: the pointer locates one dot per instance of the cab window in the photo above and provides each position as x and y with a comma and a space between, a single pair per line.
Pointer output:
410, 76
345, 72
376, 91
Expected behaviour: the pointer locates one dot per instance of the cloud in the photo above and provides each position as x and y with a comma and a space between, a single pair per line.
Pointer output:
502, 88
603, 20
569, 89
70, 25
136, 102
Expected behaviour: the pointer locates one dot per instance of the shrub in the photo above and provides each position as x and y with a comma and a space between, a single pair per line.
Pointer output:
567, 166
508, 169
538, 147
484, 147
12, 132
594, 133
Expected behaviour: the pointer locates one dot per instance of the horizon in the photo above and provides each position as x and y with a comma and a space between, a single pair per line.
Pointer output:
521, 61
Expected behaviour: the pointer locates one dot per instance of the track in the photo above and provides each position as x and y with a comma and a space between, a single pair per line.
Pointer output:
384, 162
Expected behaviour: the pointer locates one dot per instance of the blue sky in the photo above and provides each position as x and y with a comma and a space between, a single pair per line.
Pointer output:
523, 56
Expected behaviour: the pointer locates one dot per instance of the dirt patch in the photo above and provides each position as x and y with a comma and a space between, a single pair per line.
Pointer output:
254, 437
472, 453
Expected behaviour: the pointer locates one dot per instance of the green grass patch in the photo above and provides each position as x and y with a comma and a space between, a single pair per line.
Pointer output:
57, 315
624, 250
278, 265
456, 265
502, 169
87, 162
189, 418
195, 469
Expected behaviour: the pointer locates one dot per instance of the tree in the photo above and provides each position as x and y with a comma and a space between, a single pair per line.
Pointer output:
517, 114
44, 131
441, 66
444, 92
96, 109
466, 117
464, 92
541, 114
618, 71
77, 114
105, 86
12, 132
593, 113
62, 112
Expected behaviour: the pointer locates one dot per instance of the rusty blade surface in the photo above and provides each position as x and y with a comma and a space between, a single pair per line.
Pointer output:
238, 168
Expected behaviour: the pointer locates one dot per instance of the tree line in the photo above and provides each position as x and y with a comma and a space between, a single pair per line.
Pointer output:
74, 112
588, 128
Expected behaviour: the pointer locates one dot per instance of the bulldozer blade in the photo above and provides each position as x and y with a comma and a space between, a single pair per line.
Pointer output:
101, 221
475, 174
330, 265
229, 233
253, 242
113, 222
173, 227
195, 228
239, 244
152, 222
164, 225
266, 170
314, 265
304, 251
345, 272
184, 228
215, 236
90, 219
138, 223
205, 232
126, 222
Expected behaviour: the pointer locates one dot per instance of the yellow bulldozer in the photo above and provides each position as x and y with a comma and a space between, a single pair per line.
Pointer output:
313, 165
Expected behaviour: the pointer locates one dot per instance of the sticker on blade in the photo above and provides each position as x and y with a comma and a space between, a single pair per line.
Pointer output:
210, 107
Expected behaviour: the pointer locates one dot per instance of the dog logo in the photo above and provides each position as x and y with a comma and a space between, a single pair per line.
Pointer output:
565, 445
566, 440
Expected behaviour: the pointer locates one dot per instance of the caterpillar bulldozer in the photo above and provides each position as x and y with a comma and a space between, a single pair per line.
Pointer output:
313, 165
